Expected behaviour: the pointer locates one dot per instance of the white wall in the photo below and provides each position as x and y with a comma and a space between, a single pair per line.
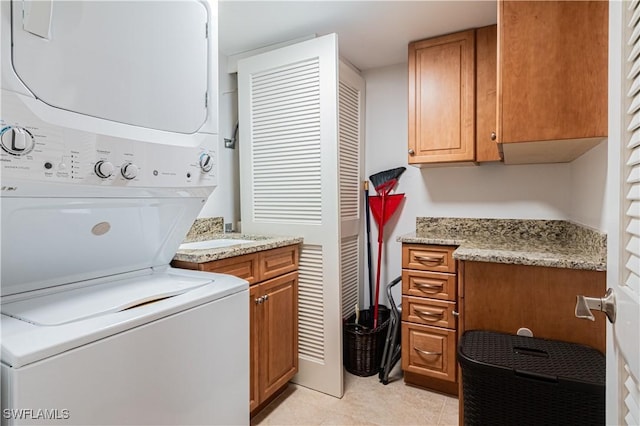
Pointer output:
225, 199
487, 191
589, 188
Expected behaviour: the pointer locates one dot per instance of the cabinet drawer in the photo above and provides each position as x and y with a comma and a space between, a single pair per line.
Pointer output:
419, 310
245, 267
428, 257
429, 351
434, 285
275, 262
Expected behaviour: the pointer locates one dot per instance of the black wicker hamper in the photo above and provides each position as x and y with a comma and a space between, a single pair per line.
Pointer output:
517, 380
362, 344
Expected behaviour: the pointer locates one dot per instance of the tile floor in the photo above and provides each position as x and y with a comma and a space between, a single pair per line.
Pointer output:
366, 401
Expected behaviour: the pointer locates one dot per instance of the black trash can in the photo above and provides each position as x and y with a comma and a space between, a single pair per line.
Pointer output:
362, 344
517, 380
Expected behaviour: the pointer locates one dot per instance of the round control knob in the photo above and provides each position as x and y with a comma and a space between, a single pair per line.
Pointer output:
129, 171
16, 141
206, 162
104, 169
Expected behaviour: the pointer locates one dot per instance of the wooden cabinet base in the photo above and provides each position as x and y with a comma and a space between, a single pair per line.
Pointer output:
503, 298
450, 388
263, 404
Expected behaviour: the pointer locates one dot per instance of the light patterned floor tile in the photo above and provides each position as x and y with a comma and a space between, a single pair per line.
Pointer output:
366, 401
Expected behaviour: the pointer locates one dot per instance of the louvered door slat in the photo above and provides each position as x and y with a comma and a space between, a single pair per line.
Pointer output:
310, 304
628, 391
349, 119
350, 113
349, 274
287, 187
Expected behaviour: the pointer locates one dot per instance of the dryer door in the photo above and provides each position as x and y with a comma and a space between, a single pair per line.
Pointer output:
143, 63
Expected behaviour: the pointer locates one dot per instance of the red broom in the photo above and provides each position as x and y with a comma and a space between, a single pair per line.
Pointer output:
383, 182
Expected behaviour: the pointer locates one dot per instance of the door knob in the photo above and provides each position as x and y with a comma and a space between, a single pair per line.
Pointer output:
606, 304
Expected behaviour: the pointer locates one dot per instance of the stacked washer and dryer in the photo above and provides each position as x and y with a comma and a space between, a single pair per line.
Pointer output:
109, 134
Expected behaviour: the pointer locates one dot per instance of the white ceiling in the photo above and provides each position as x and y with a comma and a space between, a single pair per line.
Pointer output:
371, 34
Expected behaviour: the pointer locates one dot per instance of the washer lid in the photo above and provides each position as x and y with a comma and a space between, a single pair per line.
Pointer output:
24, 342
83, 303
143, 63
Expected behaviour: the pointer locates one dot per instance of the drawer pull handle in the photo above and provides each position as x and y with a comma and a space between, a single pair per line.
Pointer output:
430, 259
434, 287
420, 351
259, 300
431, 316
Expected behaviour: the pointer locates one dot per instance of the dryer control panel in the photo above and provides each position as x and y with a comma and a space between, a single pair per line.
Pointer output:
32, 149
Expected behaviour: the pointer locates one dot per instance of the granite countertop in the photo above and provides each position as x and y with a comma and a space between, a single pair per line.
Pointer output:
552, 243
211, 229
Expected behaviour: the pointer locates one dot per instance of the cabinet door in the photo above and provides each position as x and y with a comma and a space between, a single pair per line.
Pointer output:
552, 75
254, 345
434, 312
428, 257
245, 267
429, 351
486, 82
278, 261
279, 333
442, 99
435, 285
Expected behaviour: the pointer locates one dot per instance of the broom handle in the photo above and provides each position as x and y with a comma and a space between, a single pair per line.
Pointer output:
380, 235
368, 222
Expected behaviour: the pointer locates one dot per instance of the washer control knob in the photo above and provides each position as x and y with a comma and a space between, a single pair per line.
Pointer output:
206, 162
129, 171
104, 169
16, 141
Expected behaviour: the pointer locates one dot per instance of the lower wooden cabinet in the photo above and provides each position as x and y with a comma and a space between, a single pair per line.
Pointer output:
274, 335
429, 317
429, 351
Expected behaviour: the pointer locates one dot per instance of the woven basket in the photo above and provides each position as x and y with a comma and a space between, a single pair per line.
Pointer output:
515, 380
363, 345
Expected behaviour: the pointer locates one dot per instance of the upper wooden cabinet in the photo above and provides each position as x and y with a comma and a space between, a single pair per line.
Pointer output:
442, 99
552, 79
486, 90
452, 98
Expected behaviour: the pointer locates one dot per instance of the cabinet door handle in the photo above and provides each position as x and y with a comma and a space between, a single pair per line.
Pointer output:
411, 152
259, 300
434, 287
429, 259
493, 136
455, 313
265, 297
431, 316
420, 351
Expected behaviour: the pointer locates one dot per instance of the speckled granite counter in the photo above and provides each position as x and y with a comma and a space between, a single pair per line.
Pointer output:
553, 243
211, 229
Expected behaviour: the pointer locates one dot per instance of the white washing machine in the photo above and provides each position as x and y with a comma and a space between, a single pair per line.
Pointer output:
108, 152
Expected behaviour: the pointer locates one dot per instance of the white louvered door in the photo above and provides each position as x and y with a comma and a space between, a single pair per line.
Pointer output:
297, 177
623, 265
351, 94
